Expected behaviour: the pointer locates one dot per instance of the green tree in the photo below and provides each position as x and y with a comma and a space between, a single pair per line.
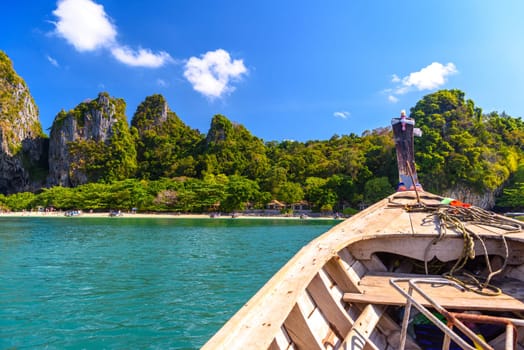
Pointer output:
345, 189
93, 195
290, 192
204, 195
20, 201
239, 192
377, 189
58, 197
513, 195
319, 195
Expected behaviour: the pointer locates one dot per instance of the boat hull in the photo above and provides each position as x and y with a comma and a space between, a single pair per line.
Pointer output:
328, 296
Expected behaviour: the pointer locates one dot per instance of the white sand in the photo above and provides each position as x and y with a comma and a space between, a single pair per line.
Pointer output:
150, 215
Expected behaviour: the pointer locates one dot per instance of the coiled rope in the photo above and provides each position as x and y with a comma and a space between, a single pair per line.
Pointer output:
454, 218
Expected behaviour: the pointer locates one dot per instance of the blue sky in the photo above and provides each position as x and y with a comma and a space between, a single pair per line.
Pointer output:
286, 70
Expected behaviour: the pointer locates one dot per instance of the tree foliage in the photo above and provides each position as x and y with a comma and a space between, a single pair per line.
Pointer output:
231, 149
178, 169
461, 146
513, 195
165, 145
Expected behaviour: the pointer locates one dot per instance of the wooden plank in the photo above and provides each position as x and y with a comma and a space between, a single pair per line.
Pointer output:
338, 272
333, 288
274, 346
376, 289
299, 331
448, 249
281, 340
307, 304
359, 336
331, 309
342, 279
316, 322
322, 330
374, 264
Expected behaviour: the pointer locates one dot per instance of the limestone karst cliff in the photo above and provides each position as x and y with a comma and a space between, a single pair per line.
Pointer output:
23, 146
92, 142
463, 154
165, 144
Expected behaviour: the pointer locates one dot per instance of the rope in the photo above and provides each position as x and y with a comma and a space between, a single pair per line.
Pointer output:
452, 220
448, 217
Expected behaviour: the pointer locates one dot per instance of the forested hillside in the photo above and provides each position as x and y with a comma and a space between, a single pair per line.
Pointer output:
95, 159
179, 169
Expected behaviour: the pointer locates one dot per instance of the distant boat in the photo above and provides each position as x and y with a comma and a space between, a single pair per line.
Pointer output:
413, 271
73, 213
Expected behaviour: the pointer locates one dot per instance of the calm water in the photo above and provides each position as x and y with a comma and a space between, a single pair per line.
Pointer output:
92, 283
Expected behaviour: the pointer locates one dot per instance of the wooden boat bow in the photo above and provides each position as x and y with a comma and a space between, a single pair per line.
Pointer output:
340, 291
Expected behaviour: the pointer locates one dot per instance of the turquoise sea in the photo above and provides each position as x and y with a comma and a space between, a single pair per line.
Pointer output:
124, 283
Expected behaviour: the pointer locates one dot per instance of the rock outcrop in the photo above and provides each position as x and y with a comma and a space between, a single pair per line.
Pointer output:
165, 144
90, 143
231, 149
23, 145
465, 194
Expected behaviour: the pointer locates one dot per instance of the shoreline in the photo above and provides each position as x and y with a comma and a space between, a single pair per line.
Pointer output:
33, 214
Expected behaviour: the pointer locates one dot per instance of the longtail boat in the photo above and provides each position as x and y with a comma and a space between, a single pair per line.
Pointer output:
413, 271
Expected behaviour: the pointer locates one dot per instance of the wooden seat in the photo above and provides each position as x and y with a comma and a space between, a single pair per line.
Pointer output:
377, 289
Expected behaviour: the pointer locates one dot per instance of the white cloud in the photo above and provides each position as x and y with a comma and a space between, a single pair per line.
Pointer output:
342, 114
428, 78
392, 98
212, 74
52, 61
140, 58
395, 78
84, 24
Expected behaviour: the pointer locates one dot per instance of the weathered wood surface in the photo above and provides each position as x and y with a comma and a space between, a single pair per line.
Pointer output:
377, 289
260, 320
361, 332
425, 248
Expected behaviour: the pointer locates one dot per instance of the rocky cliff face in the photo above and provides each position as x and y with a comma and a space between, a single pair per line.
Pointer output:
82, 142
151, 114
23, 146
484, 200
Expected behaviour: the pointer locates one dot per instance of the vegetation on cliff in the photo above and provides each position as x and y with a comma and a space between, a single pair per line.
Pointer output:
15, 100
164, 144
23, 145
230, 169
460, 145
91, 143
159, 163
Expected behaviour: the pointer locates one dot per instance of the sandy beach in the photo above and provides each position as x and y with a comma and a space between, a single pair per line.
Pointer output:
154, 215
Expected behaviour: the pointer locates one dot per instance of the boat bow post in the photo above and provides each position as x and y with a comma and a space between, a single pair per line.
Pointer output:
404, 132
